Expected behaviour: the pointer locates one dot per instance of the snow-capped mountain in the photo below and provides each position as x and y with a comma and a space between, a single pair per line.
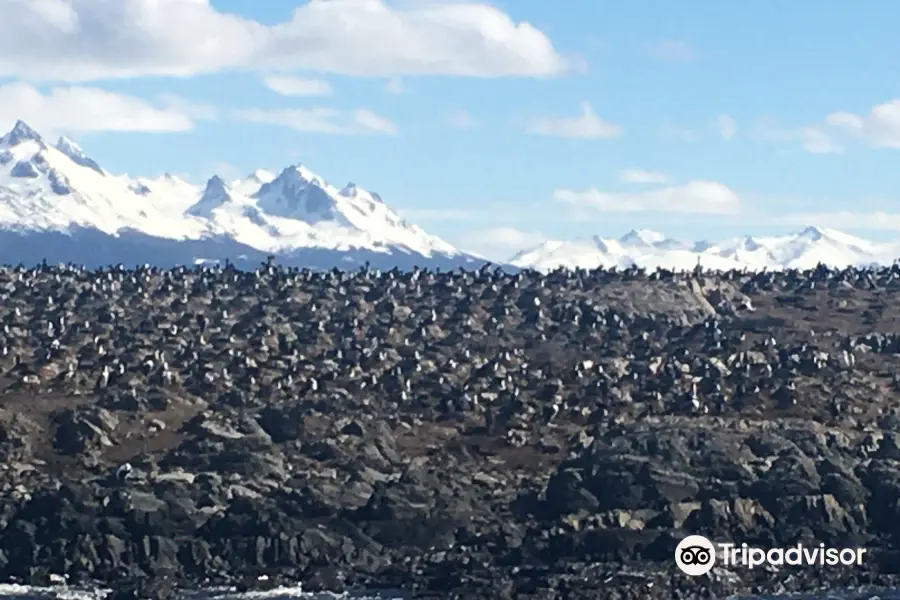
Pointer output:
60, 205
649, 249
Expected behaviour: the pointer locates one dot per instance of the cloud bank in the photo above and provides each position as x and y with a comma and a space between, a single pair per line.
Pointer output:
85, 40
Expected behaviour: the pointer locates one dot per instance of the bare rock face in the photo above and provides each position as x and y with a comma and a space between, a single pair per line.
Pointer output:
17, 433
465, 435
81, 430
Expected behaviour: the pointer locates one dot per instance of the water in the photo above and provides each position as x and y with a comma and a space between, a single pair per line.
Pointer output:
24, 592
27, 592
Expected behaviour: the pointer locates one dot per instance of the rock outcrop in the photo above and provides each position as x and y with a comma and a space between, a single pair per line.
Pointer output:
454, 435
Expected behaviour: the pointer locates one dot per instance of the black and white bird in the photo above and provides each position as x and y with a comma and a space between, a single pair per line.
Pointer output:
123, 472
550, 412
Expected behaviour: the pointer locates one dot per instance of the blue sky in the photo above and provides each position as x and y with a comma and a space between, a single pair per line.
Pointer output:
495, 125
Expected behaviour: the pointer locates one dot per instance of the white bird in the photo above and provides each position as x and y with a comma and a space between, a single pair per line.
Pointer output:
103, 381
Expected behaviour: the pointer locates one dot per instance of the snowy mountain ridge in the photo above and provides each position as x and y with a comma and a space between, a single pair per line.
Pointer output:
650, 249
57, 189
58, 204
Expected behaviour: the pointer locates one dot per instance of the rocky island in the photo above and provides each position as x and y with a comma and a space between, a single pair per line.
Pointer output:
465, 435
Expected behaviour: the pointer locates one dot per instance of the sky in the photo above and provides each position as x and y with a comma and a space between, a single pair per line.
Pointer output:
493, 125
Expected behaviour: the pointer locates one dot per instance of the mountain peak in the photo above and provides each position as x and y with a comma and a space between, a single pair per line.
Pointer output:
21, 132
71, 149
216, 184
350, 190
835, 237
600, 243
67, 145
300, 173
298, 193
261, 176
642, 237
354, 192
216, 193
812, 232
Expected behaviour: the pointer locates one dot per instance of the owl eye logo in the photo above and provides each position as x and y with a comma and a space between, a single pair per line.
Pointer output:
695, 555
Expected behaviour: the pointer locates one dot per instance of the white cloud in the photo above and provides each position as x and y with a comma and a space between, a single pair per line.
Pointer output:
194, 110
297, 86
395, 86
321, 120
698, 197
587, 125
461, 119
81, 108
82, 40
811, 138
881, 127
672, 50
77, 108
641, 176
373, 123
499, 243
816, 141
726, 127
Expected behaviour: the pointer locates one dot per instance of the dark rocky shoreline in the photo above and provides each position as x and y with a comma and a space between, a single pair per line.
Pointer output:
465, 435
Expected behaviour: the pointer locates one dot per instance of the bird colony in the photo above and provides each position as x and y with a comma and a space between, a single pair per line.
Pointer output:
466, 434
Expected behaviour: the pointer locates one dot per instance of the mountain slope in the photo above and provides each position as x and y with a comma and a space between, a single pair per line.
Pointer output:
53, 197
802, 250
298, 209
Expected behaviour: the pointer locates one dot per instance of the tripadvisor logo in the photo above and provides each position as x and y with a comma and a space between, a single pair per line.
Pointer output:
696, 555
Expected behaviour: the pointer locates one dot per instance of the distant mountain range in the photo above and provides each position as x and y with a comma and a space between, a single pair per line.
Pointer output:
649, 249
58, 204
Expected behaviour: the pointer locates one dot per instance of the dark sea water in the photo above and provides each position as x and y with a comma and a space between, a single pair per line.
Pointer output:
21, 592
